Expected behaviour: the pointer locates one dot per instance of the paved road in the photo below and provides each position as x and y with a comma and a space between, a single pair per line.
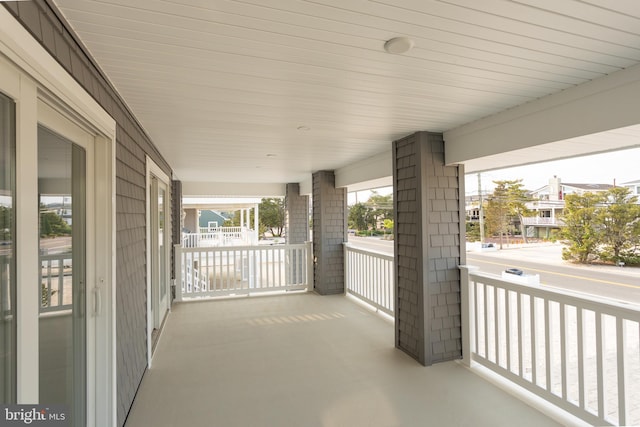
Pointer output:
591, 280
372, 243
622, 284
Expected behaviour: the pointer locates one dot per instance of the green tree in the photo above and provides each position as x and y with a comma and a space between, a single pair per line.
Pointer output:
380, 208
357, 218
271, 215
517, 197
497, 215
52, 224
508, 202
619, 223
581, 232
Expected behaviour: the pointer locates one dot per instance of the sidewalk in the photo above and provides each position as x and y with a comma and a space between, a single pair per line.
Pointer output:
548, 253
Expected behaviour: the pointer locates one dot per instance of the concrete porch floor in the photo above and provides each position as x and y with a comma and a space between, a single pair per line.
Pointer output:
306, 360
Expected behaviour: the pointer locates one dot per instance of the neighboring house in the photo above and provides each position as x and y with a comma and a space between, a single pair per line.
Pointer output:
210, 219
549, 203
634, 186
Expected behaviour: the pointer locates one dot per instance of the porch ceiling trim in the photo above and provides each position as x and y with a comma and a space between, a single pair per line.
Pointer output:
372, 172
604, 104
229, 189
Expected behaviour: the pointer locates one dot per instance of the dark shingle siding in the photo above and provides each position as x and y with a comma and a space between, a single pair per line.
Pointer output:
427, 249
329, 233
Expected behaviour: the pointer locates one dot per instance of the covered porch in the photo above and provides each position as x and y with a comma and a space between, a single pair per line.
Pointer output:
306, 360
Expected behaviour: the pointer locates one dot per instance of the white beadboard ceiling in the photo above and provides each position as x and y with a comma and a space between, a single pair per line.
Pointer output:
271, 90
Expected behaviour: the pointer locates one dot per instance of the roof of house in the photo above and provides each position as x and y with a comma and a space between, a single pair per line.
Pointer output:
637, 181
207, 216
588, 187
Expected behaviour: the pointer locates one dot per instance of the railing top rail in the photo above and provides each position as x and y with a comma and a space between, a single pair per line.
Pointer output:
611, 307
243, 248
363, 251
58, 256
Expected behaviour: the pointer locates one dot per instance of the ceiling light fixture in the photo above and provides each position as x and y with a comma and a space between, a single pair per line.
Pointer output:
398, 45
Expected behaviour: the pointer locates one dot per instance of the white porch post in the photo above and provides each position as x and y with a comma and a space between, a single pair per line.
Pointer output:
179, 273
256, 224
467, 314
241, 218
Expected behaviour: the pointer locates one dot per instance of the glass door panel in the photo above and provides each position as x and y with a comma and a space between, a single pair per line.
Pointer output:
7, 252
159, 256
62, 319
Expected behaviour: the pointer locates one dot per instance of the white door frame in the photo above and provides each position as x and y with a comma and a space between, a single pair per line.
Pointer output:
153, 170
39, 85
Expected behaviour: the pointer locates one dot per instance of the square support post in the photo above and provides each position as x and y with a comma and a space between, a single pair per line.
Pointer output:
329, 233
429, 246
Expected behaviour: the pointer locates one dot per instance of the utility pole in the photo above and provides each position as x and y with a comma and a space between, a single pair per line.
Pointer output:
481, 211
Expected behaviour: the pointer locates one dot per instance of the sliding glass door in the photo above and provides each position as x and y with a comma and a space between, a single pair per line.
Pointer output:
159, 256
57, 240
62, 262
7, 252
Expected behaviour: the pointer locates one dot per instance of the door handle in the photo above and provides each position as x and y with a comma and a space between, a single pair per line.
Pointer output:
97, 301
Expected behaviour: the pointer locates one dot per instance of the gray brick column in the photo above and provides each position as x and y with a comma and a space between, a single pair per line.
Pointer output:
329, 232
428, 207
176, 221
296, 215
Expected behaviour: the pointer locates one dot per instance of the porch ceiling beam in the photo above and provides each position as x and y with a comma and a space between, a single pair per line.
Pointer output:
230, 189
372, 172
603, 104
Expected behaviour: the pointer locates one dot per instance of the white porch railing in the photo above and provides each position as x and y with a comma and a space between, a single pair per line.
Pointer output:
579, 353
243, 270
369, 276
219, 236
538, 220
56, 282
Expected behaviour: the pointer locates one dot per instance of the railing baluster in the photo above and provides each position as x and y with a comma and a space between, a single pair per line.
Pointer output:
476, 285
532, 315
485, 291
280, 269
581, 375
496, 325
563, 350
61, 282
49, 283
547, 344
600, 365
620, 353
507, 317
519, 314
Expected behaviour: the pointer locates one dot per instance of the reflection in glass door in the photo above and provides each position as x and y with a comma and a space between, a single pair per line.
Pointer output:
7, 252
62, 319
159, 256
